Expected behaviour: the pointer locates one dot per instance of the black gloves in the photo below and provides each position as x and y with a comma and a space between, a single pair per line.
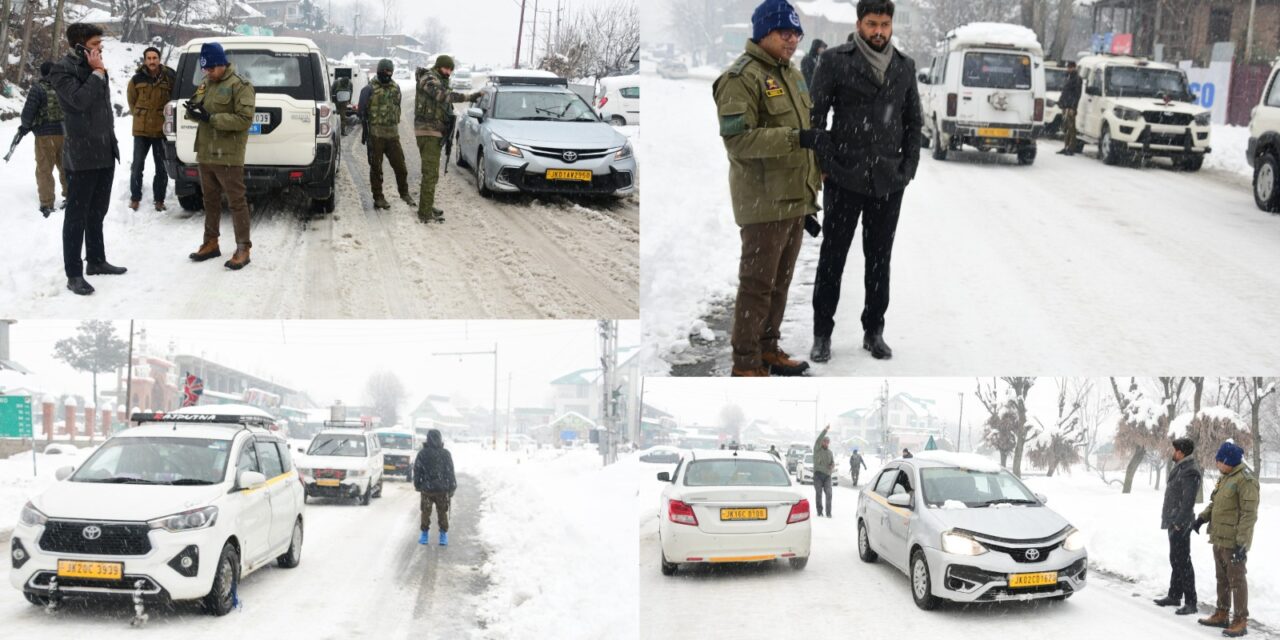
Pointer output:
197, 112
1195, 526
812, 138
24, 130
1239, 555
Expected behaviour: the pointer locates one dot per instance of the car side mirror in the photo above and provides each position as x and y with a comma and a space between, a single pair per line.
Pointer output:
665, 476
900, 500
1042, 498
923, 77
63, 473
251, 480
476, 112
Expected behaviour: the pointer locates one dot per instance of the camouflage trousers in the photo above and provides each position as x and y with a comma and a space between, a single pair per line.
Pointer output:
429, 151
441, 503
389, 147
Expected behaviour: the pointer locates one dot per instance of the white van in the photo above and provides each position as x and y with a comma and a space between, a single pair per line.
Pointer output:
1055, 78
985, 88
1264, 145
294, 141
618, 100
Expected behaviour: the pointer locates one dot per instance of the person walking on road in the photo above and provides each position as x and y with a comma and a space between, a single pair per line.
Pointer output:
1068, 101
42, 116
824, 466
810, 62
868, 158
223, 105
148, 93
89, 153
856, 464
433, 119
763, 108
773, 451
380, 110
1180, 495
1231, 514
433, 478
906, 454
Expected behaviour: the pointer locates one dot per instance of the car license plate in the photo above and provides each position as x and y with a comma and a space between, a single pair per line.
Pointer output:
759, 513
388, 467
1020, 580
566, 174
328, 483
91, 570
994, 133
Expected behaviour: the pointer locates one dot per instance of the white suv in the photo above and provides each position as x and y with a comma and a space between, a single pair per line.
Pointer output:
1132, 108
343, 463
181, 507
294, 141
1264, 146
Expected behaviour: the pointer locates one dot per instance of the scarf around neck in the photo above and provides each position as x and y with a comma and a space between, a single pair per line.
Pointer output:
879, 60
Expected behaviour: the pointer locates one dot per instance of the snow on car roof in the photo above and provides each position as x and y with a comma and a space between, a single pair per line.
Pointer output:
1125, 61
977, 34
971, 461
341, 432
618, 80
741, 454
236, 41
523, 73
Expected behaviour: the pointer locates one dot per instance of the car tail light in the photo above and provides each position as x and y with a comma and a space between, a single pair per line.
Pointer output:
170, 119
799, 512
323, 126
191, 172
295, 175
1039, 110
681, 513
603, 101
953, 104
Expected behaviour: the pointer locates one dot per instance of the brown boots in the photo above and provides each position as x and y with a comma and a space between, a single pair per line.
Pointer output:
206, 251
781, 364
240, 259
210, 249
1231, 627
1239, 627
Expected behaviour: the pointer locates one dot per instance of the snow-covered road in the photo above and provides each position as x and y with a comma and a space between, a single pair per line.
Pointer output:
1067, 265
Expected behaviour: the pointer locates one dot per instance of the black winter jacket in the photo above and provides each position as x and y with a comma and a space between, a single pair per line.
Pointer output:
88, 120
36, 98
1180, 495
873, 147
433, 467
810, 62
1070, 98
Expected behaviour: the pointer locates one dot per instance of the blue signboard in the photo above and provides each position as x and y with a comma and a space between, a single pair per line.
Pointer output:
568, 435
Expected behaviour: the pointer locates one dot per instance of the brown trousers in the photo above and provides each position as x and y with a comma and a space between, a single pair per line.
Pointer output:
389, 147
48, 156
769, 251
1232, 583
441, 503
215, 180
1069, 128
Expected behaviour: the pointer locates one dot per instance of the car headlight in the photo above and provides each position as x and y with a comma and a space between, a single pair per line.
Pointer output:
31, 516
502, 146
306, 473
360, 473
1125, 113
961, 545
1074, 541
187, 520
623, 153
1204, 119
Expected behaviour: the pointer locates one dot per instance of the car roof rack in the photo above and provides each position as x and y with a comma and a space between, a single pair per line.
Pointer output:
212, 419
529, 81
344, 424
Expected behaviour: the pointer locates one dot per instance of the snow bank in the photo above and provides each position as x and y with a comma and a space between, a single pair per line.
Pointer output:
564, 558
18, 484
1230, 149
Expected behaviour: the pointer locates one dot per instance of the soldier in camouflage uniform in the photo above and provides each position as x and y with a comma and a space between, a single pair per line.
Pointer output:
1231, 514
380, 109
42, 115
432, 108
763, 106
223, 105
342, 82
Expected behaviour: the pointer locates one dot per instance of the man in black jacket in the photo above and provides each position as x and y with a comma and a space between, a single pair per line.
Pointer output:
1068, 101
42, 115
433, 478
89, 152
810, 62
1177, 516
867, 158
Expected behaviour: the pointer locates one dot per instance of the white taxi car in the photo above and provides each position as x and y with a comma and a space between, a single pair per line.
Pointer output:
181, 507
731, 506
343, 463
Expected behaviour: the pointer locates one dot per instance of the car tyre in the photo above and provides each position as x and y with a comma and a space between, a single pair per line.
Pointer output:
293, 556
939, 150
368, 495
618, 121
799, 563
379, 491
461, 161
1027, 156
921, 586
1266, 183
668, 568
481, 179
221, 598
865, 553
192, 202
1107, 151
39, 601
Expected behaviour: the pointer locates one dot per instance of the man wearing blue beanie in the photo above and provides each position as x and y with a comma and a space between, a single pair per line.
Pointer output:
1231, 514
763, 106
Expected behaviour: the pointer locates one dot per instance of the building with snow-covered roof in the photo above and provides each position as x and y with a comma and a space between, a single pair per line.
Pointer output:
581, 391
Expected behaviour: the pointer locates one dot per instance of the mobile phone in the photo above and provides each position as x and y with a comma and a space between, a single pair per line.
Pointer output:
82, 49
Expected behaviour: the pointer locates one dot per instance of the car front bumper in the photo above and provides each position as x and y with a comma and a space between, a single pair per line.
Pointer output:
686, 544
985, 578
397, 465
528, 175
348, 488
1161, 140
314, 179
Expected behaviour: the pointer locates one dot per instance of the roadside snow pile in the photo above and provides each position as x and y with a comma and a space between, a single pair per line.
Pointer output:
1124, 537
18, 485
564, 557
1230, 146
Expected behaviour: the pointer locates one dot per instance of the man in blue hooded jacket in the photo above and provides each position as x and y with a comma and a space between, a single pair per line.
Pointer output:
433, 478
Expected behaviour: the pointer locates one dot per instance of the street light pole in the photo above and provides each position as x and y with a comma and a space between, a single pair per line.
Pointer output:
520, 33
960, 422
493, 353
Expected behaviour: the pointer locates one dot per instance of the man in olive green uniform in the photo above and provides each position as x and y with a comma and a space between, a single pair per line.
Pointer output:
824, 466
380, 109
342, 83
42, 114
1231, 514
223, 104
433, 107
763, 106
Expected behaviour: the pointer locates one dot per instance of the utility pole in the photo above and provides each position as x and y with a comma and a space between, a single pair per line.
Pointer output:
609, 369
533, 36
128, 382
1248, 39
960, 422
494, 354
520, 33
884, 423
508, 411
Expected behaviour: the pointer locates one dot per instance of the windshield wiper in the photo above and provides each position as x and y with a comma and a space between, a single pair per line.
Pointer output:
189, 481
122, 480
540, 118
1010, 501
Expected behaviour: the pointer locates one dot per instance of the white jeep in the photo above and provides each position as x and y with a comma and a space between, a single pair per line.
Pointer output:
294, 141
1136, 109
1264, 146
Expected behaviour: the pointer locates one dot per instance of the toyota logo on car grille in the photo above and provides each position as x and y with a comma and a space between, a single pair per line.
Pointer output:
1033, 554
570, 156
91, 532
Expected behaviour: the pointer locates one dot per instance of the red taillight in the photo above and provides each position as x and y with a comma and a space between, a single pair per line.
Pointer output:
681, 513
603, 102
191, 172
953, 104
1039, 110
799, 512
295, 175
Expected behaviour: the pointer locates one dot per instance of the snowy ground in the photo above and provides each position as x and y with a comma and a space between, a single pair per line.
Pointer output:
1067, 265
519, 564
509, 257
840, 593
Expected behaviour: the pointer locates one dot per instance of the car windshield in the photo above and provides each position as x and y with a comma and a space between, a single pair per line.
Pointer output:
808, 458
733, 472
1144, 82
1055, 79
337, 445
265, 70
558, 106
984, 70
395, 440
950, 486
173, 461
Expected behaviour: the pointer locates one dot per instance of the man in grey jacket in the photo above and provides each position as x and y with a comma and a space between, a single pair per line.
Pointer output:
1177, 516
824, 466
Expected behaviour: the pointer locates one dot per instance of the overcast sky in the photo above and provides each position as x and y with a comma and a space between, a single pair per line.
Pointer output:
332, 359
484, 31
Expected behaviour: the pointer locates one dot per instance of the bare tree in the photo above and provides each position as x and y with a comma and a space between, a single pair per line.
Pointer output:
697, 26
434, 35
26, 37
6, 9
1144, 422
385, 392
1060, 445
1007, 427
390, 16
59, 19
1252, 392
598, 41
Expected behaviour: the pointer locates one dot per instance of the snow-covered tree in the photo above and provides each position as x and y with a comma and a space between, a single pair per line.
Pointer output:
1007, 429
1059, 446
1250, 393
1143, 425
1208, 428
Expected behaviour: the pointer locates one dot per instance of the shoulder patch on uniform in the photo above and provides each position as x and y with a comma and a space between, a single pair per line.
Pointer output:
738, 65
